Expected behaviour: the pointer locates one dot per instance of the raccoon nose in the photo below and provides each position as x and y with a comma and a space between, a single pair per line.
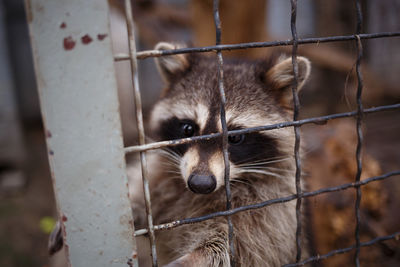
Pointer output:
202, 184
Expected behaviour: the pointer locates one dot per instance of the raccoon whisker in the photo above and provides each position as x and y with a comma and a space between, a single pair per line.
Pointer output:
265, 159
170, 156
235, 185
170, 165
267, 168
261, 172
252, 159
263, 162
172, 171
240, 181
176, 178
170, 153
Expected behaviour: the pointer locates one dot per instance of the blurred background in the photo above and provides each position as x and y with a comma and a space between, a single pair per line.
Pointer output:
27, 205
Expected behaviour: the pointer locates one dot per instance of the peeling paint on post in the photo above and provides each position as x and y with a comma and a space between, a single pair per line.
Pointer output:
78, 95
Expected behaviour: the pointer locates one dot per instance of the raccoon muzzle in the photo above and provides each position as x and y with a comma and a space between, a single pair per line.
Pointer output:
202, 184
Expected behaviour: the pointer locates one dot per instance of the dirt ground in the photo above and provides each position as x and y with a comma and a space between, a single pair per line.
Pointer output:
22, 242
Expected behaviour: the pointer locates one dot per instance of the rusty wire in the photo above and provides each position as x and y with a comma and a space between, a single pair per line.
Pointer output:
359, 130
218, 48
224, 127
315, 120
395, 235
267, 203
296, 111
140, 126
230, 47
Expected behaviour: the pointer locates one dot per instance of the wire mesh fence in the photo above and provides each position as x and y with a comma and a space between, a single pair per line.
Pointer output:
359, 113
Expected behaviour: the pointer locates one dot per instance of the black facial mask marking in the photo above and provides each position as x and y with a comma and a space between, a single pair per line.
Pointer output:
175, 128
252, 147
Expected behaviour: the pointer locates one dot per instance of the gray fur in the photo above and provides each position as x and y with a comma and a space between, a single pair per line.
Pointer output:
263, 237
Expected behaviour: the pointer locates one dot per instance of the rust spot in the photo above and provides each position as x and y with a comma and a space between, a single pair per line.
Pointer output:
64, 218
69, 43
86, 39
101, 252
67, 254
51, 152
48, 134
101, 37
63, 25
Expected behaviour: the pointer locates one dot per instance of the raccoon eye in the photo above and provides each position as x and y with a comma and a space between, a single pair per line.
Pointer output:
236, 139
187, 129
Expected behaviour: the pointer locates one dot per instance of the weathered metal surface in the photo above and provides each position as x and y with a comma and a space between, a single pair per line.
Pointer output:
78, 96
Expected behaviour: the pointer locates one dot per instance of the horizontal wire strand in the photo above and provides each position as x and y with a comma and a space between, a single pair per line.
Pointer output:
230, 47
268, 203
395, 236
315, 120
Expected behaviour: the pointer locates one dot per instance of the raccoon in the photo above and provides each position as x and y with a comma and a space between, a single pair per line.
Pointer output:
188, 180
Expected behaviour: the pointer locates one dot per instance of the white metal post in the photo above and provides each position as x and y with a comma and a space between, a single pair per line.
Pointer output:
78, 95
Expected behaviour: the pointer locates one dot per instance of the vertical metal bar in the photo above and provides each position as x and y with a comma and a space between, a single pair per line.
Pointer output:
79, 103
296, 105
224, 129
359, 130
140, 126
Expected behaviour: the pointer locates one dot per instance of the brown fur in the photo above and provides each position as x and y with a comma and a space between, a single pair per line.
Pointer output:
262, 237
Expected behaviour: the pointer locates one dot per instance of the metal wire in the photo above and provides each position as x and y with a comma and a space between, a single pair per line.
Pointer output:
316, 120
296, 111
395, 235
268, 203
229, 47
359, 130
220, 61
139, 121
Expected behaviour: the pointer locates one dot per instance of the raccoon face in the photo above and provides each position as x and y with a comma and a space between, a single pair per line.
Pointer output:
257, 93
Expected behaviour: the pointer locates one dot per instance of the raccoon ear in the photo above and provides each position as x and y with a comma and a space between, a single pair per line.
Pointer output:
280, 77
169, 66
